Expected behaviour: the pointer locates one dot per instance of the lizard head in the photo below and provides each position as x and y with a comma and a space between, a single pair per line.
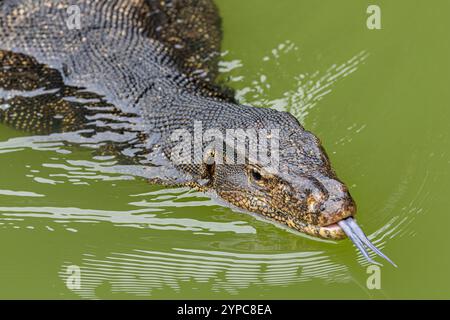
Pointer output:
301, 190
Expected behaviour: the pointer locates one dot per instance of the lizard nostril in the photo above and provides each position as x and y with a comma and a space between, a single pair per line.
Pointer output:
313, 201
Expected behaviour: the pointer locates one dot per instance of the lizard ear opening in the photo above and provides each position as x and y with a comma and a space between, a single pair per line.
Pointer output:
209, 164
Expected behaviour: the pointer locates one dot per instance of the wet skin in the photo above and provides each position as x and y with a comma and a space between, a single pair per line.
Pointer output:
150, 75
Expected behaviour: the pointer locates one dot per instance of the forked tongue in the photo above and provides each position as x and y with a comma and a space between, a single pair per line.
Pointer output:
354, 232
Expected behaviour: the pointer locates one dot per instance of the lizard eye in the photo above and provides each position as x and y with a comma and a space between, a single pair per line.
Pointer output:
256, 175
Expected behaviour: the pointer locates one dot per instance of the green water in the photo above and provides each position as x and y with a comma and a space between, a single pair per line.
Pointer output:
379, 100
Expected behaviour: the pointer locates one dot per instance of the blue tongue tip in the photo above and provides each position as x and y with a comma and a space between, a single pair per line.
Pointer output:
358, 237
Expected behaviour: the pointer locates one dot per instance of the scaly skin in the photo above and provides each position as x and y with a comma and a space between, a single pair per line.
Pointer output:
147, 69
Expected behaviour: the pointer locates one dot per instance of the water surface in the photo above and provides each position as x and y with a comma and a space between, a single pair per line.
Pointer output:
378, 99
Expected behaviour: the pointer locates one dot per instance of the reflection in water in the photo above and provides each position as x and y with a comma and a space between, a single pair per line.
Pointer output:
146, 217
147, 273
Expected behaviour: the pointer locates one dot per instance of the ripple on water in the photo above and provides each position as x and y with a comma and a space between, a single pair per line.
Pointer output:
145, 272
149, 216
148, 272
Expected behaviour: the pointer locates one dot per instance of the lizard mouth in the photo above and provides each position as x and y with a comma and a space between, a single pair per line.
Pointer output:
334, 230
331, 229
